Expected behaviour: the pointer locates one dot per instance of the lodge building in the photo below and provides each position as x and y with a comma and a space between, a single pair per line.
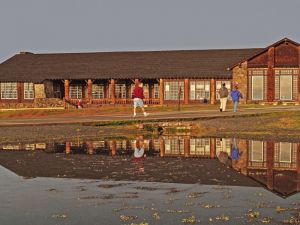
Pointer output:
268, 74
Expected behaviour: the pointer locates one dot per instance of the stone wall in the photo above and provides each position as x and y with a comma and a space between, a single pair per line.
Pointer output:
240, 78
48, 102
16, 105
39, 91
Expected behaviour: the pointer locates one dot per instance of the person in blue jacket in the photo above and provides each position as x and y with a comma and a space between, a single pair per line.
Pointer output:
235, 96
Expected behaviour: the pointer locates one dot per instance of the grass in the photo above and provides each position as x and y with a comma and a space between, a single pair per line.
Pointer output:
109, 110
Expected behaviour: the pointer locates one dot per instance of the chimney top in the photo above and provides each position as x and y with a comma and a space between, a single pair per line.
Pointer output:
25, 53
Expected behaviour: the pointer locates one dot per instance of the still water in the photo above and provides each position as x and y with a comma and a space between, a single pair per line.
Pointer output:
161, 180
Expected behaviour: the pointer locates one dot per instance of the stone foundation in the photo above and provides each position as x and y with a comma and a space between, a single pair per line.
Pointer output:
48, 102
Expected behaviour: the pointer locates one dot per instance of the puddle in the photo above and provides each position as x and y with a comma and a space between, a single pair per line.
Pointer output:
168, 159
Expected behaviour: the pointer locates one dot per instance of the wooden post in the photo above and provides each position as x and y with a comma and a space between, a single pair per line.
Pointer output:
212, 91
68, 147
112, 91
90, 87
187, 147
270, 163
161, 92
271, 77
212, 148
67, 89
161, 147
186, 91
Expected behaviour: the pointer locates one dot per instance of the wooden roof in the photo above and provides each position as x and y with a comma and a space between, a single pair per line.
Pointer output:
123, 65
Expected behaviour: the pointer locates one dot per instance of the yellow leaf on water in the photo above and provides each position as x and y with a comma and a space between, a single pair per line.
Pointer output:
279, 209
266, 220
190, 220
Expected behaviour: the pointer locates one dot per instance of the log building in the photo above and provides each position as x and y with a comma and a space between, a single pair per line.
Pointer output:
268, 74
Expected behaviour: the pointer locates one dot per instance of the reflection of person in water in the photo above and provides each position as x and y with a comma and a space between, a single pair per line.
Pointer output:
139, 154
235, 153
224, 158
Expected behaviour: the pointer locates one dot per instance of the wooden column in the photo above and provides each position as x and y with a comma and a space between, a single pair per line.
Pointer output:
161, 92
68, 147
270, 164
90, 87
212, 148
187, 147
270, 76
212, 91
112, 91
67, 89
186, 91
161, 147
113, 148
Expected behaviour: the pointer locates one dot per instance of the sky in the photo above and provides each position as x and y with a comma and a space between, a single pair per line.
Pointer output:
49, 26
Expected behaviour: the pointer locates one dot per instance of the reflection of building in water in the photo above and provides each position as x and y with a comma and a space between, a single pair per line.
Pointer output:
277, 165
23, 146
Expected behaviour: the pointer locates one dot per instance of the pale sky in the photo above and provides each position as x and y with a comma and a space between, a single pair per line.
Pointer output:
42, 26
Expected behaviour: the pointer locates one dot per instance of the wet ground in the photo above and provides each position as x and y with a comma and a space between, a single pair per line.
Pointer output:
175, 180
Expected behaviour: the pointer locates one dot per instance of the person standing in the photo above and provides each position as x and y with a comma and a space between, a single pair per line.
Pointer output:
138, 96
235, 95
223, 93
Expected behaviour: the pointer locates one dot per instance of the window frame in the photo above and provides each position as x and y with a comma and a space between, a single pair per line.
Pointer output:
96, 94
28, 91
262, 85
13, 95
78, 91
171, 94
202, 93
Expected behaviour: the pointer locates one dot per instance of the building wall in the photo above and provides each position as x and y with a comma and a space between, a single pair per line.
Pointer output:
240, 78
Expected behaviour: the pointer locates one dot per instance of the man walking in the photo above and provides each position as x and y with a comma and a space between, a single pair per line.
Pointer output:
223, 92
138, 96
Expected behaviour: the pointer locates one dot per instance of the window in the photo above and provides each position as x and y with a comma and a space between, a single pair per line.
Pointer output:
257, 151
98, 91
286, 87
199, 90
120, 90
200, 147
75, 91
257, 87
156, 91
219, 84
174, 147
9, 91
28, 91
172, 90
286, 84
285, 154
